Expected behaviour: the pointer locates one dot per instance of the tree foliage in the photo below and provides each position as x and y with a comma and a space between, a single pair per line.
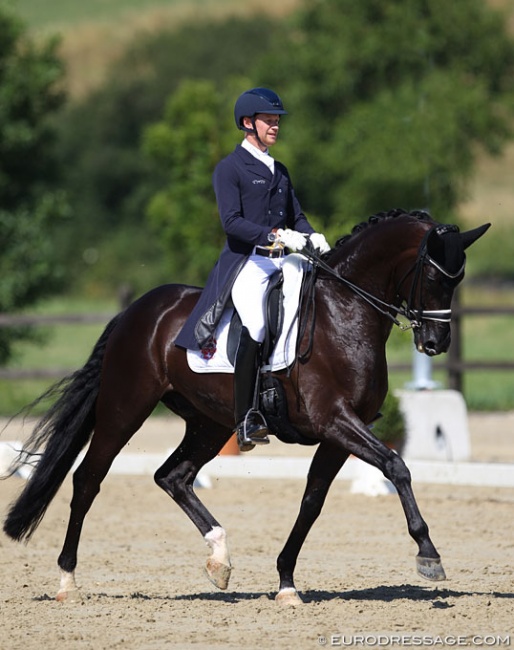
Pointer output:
391, 99
188, 143
30, 203
108, 178
389, 102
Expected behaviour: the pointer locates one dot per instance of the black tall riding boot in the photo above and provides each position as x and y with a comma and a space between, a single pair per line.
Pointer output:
251, 428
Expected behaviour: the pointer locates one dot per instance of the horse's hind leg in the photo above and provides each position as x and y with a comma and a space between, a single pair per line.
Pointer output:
86, 486
112, 432
202, 441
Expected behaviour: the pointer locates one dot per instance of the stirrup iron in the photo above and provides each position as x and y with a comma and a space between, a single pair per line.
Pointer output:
252, 431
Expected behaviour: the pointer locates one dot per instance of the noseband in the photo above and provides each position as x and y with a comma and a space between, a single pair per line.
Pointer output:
416, 316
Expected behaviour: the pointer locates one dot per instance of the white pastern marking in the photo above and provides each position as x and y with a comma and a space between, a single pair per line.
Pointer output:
67, 582
216, 540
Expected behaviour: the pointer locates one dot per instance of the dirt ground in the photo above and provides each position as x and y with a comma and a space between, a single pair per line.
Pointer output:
141, 565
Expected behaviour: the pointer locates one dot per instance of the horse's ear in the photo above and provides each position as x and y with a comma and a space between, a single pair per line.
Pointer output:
470, 236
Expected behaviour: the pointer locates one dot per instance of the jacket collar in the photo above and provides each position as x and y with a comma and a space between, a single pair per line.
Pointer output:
257, 167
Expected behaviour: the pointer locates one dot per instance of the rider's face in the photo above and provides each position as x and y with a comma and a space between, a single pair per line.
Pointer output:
267, 128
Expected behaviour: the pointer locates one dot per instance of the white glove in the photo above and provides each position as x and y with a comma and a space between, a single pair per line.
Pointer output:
319, 242
291, 239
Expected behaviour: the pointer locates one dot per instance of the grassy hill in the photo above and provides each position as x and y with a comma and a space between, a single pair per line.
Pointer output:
491, 192
62, 14
95, 33
58, 14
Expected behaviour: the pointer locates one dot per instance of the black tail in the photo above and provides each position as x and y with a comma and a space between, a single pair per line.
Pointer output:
63, 432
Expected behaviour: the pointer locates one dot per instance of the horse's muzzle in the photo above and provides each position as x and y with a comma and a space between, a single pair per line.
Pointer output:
431, 346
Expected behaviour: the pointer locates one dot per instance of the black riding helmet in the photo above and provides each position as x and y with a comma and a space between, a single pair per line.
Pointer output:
257, 100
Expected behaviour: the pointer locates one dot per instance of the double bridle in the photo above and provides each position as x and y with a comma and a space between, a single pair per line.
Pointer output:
416, 316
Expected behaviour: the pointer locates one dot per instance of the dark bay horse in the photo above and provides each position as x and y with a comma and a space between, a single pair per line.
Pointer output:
395, 263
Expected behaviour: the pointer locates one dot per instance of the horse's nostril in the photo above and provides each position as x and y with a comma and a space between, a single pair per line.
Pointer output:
430, 348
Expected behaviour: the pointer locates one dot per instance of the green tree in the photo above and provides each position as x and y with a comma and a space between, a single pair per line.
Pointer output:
390, 100
109, 181
30, 204
196, 132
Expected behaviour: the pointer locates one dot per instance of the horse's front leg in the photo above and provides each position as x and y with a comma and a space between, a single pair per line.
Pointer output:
428, 560
359, 440
326, 463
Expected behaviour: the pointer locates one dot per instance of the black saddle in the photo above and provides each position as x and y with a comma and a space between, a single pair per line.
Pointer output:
273, 402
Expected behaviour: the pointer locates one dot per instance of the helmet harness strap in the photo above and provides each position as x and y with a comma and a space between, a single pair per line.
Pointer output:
253, 131
256, 133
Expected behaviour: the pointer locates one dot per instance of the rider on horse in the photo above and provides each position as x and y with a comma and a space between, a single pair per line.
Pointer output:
262, 219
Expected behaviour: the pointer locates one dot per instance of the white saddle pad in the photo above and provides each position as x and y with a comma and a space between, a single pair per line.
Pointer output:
284, 354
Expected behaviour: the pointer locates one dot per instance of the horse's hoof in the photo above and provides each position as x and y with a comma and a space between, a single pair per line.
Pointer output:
71, 596
218, 573
430, 568
288, 597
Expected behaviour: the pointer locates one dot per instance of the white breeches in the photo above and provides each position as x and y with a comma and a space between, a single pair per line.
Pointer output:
249, 290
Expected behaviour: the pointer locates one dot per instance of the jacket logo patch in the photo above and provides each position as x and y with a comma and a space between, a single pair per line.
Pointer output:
259, 182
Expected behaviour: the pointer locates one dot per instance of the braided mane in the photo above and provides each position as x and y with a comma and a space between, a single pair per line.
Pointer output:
422, 215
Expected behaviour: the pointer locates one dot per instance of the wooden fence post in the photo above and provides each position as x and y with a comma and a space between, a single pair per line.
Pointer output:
454, 364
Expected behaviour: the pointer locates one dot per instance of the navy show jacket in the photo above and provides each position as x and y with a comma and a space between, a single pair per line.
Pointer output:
251, 202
